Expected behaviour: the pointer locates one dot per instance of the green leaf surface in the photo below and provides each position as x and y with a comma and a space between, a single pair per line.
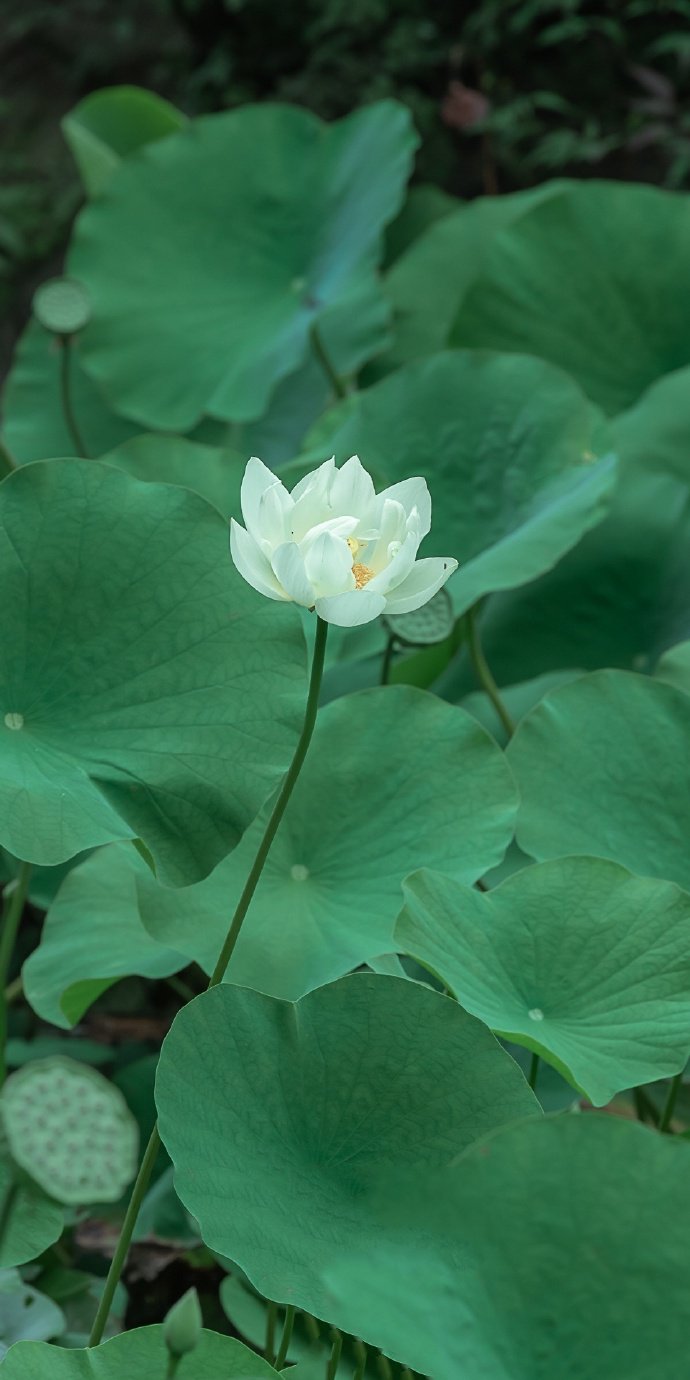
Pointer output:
92, 936
284, 216
211, 471
577, 959
560, 1250
427, 283
518, 700
140, 1355
394, 780
71, 1130
508, 444
602, 768
619, 599
25, 1312
161, 704
653, 433
674, 667
279, 1144
34, 1221
109, 125
593, 279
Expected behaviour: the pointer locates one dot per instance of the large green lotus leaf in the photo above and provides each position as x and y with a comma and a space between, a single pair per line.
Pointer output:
394, 780
424, 205
602, 768
34, 1221
619, 599
427, 284
282, 1120
218, 247
559, 1252
213, 472
576, 959
518, 700
594, 279
92, 936
140, 1355
144, 689
507, 444
109, 125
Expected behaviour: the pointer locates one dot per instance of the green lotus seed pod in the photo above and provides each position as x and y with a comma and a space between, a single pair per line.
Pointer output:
182, 1326
62, 306
71, 1130
432, 623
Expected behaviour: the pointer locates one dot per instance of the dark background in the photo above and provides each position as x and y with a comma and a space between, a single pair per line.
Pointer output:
505, 93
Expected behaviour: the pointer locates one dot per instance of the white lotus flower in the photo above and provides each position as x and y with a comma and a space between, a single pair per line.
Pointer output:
335, 545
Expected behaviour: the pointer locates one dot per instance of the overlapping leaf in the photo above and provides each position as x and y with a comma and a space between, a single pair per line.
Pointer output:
144, 690
279, 1144
508, 445
576, 959
394, 780
219, 246
536, 1264
595, 280
602, 768
140, 1355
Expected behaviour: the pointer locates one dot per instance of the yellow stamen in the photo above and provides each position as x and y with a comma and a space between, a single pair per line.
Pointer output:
362, 575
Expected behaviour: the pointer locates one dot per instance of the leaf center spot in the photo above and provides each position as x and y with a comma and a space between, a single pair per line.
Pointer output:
299, 872
14, 721
536, 1014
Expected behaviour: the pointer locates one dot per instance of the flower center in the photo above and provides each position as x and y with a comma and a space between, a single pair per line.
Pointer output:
362, 575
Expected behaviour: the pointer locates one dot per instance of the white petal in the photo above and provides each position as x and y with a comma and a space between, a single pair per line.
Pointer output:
423, 582
252, 564
319, 478
288, 564
352, 490
394, 573
328, 563
392, 528
352, 609
266, 505
412, 493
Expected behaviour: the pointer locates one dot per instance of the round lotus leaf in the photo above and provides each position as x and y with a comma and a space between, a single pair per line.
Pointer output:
513, 452
602, 769
555, 1250
145, 691
576, 959
139, 1355
283, 215
593, 279
71, 1130
33, 1220
279, 1113
432, 623
62, 306
92, 936
394, 780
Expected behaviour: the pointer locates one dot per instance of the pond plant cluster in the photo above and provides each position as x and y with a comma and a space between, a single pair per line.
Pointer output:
393, 785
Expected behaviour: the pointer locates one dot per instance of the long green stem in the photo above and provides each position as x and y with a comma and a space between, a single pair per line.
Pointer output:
15, 897
482, 671
336, 1349
270, 1338
66, 398
146, 1167
337, 383
670, 1107
286, 1338
279, 808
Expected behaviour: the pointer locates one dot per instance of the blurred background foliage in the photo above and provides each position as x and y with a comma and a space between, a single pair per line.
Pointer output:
505, 93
